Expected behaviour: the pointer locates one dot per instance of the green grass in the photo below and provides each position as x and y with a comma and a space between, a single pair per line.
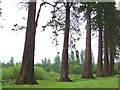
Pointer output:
105, 82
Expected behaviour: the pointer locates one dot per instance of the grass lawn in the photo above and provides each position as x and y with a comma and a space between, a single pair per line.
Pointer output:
105, 82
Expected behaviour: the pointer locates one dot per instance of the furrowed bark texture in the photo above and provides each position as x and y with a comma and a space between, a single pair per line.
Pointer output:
87, 72
64, 65
26, 75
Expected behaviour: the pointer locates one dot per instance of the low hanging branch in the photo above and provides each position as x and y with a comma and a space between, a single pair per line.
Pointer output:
58, 21
17, 27
40, 10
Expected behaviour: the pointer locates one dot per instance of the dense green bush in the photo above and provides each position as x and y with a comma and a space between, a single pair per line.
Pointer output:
53, 76
75, 69
10, 72
40, 73
117, 68
7, 73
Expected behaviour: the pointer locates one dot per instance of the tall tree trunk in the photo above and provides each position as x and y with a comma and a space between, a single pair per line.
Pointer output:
111, 64
87, 72
99, 71
64, 65
26, 75
106, 61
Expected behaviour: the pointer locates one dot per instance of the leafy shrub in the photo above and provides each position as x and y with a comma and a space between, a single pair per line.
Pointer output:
75, 69
117, 68
53, 76
16, 71
11, 73
7, 73
40, 73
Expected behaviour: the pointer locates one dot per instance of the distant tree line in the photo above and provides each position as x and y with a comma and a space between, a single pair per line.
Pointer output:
76, 64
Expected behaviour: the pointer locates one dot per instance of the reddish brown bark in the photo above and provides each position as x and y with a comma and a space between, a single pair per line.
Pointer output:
26, 75
106, 61
64, 65
99, 71
87, 72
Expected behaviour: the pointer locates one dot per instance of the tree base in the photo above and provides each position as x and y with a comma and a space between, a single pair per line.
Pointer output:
88, 77
64, 80
99, 76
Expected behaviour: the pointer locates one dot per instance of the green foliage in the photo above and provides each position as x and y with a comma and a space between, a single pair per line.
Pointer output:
75, 69
94, 69
46, 64
76, 64
40, 73
10, 72
53, 76
71, 57
117, 67
78, 83
56, 64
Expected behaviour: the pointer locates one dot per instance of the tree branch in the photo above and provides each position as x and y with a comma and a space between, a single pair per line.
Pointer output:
40, 10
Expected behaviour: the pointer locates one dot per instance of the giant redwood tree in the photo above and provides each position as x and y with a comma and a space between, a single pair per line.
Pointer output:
99, 71
65, 18
113, 34
110, 36
106, 59
99, 19
87, 72
64, 65
107, 23
26, 75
